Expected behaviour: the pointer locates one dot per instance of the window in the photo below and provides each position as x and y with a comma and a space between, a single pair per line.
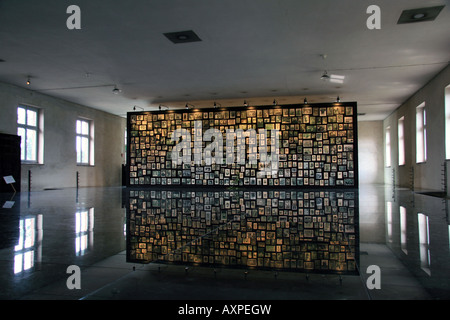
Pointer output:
84, 142
84, 228
447, 122
389, 220
403, 234
126, 146
424, 242
28, 130
401, 141
26, 252
388, 146
421, 134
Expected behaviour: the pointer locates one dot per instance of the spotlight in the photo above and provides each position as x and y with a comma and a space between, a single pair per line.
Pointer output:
28, 80
338, 99
274, 102
245, 103
305, 101
215, 104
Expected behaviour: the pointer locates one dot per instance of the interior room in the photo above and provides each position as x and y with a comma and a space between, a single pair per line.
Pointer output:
224, 150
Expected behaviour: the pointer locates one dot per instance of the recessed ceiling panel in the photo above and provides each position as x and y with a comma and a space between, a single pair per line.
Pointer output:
419, 15
182, 36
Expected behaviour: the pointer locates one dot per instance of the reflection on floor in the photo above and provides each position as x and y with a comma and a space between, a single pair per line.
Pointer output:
42, 233
282, 229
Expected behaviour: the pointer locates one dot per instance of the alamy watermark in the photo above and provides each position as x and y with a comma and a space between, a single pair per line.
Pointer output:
251, 148
374, 280
374, 20
74, 280
73, 22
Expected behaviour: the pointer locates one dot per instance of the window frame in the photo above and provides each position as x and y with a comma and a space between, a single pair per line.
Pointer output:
421, 133
26, 127
447, 122
401, 141
90, 145
388, 160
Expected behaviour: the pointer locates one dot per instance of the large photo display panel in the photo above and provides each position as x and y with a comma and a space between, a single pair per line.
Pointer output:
314, 145
291, 230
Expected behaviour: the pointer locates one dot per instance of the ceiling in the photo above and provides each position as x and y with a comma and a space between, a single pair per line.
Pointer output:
253, 50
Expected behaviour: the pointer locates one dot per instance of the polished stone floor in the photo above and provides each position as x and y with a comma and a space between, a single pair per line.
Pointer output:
404, 233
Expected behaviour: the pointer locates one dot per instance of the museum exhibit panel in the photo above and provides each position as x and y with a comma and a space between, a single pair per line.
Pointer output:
270, 187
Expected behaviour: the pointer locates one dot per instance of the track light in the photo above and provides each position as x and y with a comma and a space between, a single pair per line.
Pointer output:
188, 104
305, 101
215, 104
275, 102
28, 80
338, 99
245, 103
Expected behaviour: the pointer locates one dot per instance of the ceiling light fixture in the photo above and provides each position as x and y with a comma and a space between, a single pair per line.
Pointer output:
188, 104
245, 103
275, 102
420, 14
333, 77
116, 90
325, 76
338, 99
28, 80
337, 78
305, 101
215, 104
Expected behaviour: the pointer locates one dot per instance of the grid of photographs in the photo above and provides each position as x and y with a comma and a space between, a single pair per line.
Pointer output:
316, 146
283, 229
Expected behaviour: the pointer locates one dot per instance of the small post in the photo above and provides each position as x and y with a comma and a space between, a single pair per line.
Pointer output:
29, 180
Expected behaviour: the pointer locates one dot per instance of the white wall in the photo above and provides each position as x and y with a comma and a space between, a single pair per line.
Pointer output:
370, 152
428, 175
59, 167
